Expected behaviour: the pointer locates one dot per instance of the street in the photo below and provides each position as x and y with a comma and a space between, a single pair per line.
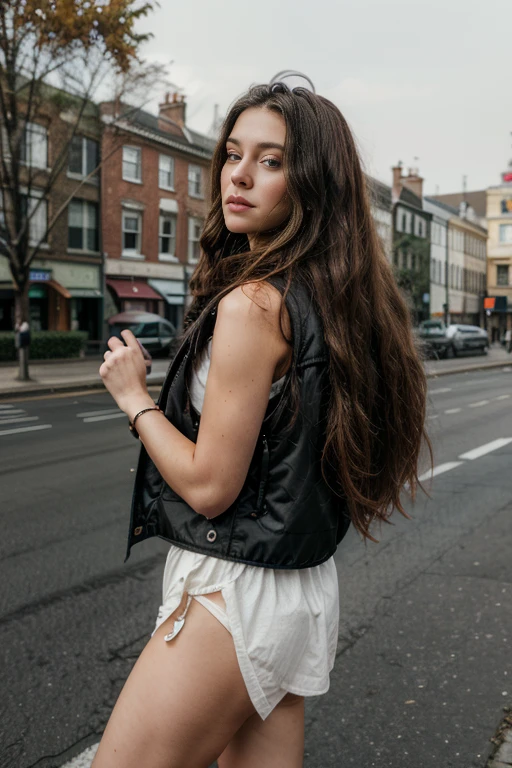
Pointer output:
423, 667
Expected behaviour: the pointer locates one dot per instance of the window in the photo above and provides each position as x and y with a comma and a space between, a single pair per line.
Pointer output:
502, 274
132, 166
83, 225
83, 156
433, 270
413, 261
34, 146
38, 223
166, 172
194, 234
452, 273
505, 233
167, 235
420, 228
404, 222
132, 225
195, 187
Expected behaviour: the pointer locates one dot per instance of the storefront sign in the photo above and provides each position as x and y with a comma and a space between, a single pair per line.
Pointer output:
40, 275
506, 205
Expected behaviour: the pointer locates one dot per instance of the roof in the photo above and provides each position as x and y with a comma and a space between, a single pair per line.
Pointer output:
406, 196
380, 194
448, 208
185, 139
476, 199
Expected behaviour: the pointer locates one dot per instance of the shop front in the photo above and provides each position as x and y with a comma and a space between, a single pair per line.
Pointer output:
173, 292
131, 294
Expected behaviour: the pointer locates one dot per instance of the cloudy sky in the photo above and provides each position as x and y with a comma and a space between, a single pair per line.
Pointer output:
426, 80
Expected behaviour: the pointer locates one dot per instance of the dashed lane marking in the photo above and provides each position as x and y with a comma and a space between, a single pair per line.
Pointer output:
439, 470
103, 412
440, 390
502, 397
453, 410
104, 418
18, 420
24, 429
487, 448
478, 404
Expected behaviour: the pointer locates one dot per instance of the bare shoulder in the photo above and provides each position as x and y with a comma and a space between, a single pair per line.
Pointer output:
258, 301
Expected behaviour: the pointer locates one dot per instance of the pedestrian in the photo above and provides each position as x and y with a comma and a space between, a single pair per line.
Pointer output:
294, 406
508, 340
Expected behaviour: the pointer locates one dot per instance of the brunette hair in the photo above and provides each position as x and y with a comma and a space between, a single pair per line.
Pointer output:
376, 416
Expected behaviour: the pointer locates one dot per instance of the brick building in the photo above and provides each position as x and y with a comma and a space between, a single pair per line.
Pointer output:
65, 291
154, 179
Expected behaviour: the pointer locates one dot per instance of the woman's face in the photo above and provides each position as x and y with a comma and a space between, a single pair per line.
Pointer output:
254, 172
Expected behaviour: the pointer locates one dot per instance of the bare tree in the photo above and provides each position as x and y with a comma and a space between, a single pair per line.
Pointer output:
56, 54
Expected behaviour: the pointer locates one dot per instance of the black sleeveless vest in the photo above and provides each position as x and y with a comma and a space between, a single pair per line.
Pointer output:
285, 516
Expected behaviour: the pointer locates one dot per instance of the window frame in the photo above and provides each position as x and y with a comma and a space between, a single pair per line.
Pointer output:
85, 207
161, 157
84, 172
131, 253
162, 255
132, 179
191, 192
192, 221
26, 148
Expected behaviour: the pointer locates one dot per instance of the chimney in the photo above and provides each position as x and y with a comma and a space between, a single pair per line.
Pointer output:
414, 182
171, 113
397, 180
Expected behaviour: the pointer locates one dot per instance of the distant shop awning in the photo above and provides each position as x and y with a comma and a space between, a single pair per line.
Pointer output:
85, 293
132, 289
173, 291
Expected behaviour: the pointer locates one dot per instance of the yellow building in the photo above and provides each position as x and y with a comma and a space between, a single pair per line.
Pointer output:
499, 254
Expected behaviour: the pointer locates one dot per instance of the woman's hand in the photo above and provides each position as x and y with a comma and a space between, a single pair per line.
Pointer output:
124, 371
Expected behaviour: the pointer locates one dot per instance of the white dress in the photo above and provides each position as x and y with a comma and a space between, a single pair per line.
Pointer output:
284, 623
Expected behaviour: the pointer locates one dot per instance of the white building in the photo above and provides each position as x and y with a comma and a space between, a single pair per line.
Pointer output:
438, 256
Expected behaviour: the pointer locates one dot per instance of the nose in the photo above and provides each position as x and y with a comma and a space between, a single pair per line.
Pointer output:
241, 177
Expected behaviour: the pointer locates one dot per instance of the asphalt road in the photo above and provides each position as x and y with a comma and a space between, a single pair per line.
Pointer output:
424, 656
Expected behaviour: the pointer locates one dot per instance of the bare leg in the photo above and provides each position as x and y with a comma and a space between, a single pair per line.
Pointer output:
183, 701
277, 742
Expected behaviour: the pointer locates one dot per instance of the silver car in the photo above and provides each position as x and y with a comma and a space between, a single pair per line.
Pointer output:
466, 338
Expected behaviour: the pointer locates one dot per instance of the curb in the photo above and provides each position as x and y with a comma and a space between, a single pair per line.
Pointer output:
50, 389
502, 757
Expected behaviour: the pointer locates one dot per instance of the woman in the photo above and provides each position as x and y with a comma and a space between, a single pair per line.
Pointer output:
295, 405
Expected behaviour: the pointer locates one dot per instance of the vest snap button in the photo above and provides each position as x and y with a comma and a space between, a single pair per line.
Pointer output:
138, 530
253, 514
211, 535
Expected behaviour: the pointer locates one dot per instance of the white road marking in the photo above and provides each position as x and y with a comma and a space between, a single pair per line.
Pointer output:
438, 391
83, 760
24, 429
7, 414
18, 420
478, 404
433, 416
104, 418
96, 413
502, 397
453, 410
487, 448
439, 470
4, 407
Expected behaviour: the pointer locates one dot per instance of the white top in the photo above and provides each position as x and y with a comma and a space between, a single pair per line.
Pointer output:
284, 623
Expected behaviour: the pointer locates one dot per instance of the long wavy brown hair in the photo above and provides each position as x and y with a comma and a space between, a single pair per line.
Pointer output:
376, 417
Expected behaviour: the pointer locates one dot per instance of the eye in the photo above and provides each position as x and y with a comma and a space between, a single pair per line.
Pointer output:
275, 162
231, 153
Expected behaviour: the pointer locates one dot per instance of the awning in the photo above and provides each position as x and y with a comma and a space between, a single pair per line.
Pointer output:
56, 287
173, 291
132, 289
85, 293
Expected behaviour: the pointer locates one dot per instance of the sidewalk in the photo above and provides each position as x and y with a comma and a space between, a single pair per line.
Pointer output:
73, 375
64, 376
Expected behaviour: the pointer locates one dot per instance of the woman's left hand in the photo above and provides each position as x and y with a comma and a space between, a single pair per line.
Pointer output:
124, 370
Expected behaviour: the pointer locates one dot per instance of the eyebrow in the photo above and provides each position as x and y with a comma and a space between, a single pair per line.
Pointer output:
261, 145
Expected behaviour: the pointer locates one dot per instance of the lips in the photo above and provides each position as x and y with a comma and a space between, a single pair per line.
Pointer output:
237, 202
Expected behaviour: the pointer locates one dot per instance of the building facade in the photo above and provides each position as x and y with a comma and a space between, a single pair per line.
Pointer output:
382, 211
411, 241
155, 178
499, 254
439, 273
66, 275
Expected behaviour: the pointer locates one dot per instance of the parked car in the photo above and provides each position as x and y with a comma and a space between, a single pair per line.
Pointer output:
466, 338
155, 333
434, 338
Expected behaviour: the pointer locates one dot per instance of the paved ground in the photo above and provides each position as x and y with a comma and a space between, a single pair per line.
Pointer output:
423, 667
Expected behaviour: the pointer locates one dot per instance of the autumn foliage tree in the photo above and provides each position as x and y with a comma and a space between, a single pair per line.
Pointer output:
56, 52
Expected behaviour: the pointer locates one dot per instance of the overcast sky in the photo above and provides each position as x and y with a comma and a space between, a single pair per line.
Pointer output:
427, 80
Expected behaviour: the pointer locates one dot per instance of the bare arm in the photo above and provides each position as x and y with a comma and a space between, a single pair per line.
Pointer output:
247, 348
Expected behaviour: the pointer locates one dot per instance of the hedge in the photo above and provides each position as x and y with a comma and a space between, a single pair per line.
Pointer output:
45, 345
